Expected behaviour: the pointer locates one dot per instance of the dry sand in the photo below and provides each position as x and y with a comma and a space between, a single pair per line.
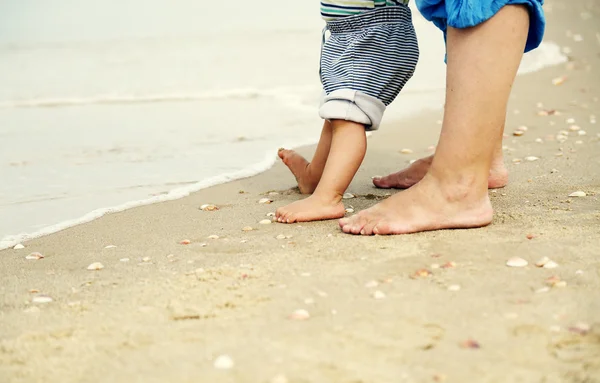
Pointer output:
168, 313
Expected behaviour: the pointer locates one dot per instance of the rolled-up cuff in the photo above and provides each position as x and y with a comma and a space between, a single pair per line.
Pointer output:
352, 105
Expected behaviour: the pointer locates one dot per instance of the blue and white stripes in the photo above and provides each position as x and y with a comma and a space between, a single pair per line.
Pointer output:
374, 53
333, 9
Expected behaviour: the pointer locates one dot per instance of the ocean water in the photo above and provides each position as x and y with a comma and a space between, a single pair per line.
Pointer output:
113, 104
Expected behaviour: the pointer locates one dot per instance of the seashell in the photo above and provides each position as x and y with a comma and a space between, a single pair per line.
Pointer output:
110, 247
42, 299
574, 128
453, 287
223, 362
531, 158
577, 194
582, 132
299, 315
542, 262
264, 201
146, 259
523, 128
279, 379
406, 151
34, 256
18, 246
539, 140
435, 266
516, 262
371, 284
530, 236
449, 265
559, 80
550, 265
203, 245
185, 242
270, 214
209, 207
580, 328
518, 133
470, 343
348, 196
421, 273
247, 228
349, 210
516, 160
280, 236
378, 294
124, 259
95, 266
265, 222
213, 236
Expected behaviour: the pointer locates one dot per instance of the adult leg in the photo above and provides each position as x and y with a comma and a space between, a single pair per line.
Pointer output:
482, 64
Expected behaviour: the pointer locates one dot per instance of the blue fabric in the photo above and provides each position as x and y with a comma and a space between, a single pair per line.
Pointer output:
468, 13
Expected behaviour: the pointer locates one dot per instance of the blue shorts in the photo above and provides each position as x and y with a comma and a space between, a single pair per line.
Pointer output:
468, 13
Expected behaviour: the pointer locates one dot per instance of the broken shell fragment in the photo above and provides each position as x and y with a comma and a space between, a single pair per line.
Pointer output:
518, 133
555, 281
18, 246
406, 151
550, 265
146, 259
530, 236
378, 294
453, 287
223, 362
264, 201
574, 128
578, 194
209, 207
42, 299
422, 273
34, 256
247, 228
516, 262
531, 158
371, 284
213, 236
470, 343
299, 315
448, 265
542, 262
348, 196
124, 259
559, 80
95, 266
185, 242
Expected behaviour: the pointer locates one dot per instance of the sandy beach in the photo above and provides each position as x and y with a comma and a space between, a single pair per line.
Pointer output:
307, 303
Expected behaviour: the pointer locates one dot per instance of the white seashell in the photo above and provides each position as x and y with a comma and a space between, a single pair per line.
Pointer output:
309, 301
95, 266
577, 194
406, 151
559, 80
146, 259
542, 262
270, 214
542, 290
209, 207
124, 259
435, 265
453, 287
582, 132
18, 246
264, 201
265, 222
247, 228
371, 284
300, 315
349, 210
41, 299
223, 362
34, 256
516, 262
110, 247
574, 128
539, 140
531, 158
213, 236
550, 265
280, 236
378, 294
348, 196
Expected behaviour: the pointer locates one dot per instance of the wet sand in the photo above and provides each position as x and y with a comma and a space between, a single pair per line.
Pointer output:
171, 310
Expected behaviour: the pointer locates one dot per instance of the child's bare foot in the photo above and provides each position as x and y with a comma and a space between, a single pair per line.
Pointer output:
426, 206
313, 208
416, 171
300, 168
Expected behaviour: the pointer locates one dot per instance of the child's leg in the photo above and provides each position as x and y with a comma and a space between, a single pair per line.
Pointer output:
307, 173
348, 148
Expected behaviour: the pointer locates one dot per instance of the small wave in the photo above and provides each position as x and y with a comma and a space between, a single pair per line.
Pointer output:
286, 95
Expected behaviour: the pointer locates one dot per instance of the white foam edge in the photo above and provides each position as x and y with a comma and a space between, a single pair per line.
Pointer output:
262, 166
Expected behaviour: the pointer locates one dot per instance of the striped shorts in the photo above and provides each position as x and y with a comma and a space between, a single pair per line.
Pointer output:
365, 63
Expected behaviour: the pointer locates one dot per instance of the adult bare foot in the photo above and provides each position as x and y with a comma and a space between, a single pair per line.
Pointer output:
416, 171
300, 168
312, 208
426, 206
